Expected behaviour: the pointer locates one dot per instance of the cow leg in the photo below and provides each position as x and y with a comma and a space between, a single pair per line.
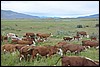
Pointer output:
74, 38
26, 57
83, 35
21, 56
78, 39
76, 52
32, 57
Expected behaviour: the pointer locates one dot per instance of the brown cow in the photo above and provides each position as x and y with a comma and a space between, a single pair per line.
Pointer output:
25, 51
8, 48
30, 34
90, 43
77, 37
77, 61
23, 42
93, 38
67, 38
53, 50
73, 48
83, 33
45, 51
43, 36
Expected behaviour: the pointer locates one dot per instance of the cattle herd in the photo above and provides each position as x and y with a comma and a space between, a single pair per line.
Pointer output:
28, 50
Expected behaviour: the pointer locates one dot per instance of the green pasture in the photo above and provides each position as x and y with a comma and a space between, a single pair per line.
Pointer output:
58, 27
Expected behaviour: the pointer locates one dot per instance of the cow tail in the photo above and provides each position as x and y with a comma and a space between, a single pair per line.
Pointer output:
58, 60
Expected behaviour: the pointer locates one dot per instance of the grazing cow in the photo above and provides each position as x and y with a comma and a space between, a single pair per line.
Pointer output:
45, 36
53, 50
45, 51
42, 50
76, 61
67, 38
77, 37
32, 35
8, 48
83, 33
90, 43
73, 48
12, 35
93, 38
39, 50
23, 42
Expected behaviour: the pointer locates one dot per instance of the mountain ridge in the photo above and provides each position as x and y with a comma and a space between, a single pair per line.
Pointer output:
8, 14
90, 16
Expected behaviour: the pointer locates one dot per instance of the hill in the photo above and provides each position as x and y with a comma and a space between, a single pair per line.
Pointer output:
91, 16
8, 14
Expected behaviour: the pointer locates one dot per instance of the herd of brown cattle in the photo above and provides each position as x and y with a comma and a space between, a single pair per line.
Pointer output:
28, 50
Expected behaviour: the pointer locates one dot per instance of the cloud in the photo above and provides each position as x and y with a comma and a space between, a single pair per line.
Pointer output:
50, 8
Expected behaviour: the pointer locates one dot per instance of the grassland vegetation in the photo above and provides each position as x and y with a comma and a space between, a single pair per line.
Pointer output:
58, 27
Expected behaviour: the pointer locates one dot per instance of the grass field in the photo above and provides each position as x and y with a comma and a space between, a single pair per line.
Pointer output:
58, 27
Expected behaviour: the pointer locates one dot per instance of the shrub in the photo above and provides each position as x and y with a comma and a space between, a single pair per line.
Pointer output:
79, 26
97, 25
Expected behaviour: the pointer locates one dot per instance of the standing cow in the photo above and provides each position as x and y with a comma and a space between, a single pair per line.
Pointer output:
90, 43
82, 33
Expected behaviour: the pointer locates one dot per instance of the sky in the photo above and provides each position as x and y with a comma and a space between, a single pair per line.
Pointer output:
53, 8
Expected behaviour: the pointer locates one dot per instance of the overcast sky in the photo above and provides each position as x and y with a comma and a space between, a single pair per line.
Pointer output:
53, 8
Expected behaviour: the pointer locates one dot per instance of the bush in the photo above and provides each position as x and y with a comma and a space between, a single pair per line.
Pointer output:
97, 25
79, 26
86, 26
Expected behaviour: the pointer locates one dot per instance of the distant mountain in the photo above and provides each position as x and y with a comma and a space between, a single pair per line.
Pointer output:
91, 16
8, 14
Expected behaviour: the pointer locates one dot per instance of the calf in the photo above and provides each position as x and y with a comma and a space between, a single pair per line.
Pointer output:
77, 61
83, 33
93, 38
90, 43
67, 38
77, 37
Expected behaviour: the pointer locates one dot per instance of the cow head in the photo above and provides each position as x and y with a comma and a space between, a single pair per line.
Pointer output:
60, 52
51, 34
